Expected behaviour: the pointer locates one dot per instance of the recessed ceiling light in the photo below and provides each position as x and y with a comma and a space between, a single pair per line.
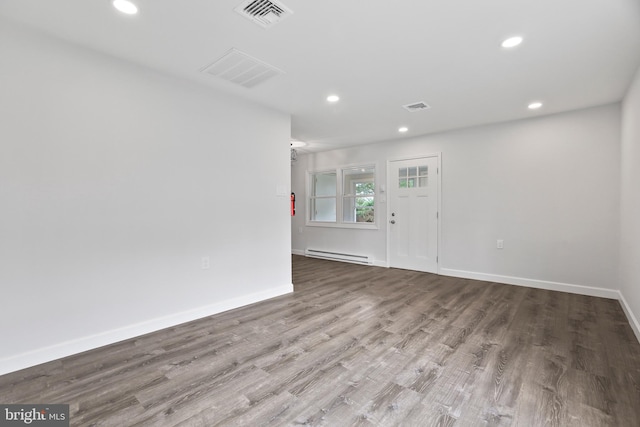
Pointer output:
535, 105
333, 98
403, 129
125, 6
512, 42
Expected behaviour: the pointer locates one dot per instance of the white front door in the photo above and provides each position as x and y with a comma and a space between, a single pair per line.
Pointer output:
413, 214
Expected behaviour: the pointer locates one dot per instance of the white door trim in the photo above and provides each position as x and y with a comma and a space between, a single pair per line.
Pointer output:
438, 155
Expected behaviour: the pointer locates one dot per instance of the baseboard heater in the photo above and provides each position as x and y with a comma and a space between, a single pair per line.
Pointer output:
337, 256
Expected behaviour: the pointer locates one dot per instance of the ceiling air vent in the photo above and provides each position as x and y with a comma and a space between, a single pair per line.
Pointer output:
416, 106
265, 13
238, 67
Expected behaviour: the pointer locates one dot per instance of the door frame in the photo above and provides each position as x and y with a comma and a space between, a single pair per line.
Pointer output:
438, 155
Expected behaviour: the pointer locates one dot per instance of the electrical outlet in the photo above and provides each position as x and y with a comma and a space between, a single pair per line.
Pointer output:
500, 244
206, 263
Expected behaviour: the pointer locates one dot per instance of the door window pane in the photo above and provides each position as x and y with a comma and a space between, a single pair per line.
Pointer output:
423, 176
402, 176
416, 176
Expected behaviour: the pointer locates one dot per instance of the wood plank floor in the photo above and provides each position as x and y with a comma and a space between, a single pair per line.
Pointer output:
363, 346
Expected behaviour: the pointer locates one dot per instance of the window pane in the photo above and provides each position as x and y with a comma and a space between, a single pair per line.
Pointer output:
413, 172
358, 209
324, 184
358, 190
365, 209
424, 181
363, 188
402, 173
323, 209
403, 183
423, 170
348, 209
359, 180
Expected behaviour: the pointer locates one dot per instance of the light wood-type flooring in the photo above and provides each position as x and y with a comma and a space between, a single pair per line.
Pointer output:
363, 346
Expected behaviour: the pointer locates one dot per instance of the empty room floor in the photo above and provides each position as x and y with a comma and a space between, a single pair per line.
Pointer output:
363, 346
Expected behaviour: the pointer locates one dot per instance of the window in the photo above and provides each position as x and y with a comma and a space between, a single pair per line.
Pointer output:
323, 197
344, 197
413, 177
358, 195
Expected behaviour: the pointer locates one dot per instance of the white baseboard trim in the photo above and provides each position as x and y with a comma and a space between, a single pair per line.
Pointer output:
297, 252
380, 264
532, 283
68, 348
633, 321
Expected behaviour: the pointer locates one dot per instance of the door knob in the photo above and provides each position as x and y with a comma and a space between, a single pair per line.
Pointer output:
393, 221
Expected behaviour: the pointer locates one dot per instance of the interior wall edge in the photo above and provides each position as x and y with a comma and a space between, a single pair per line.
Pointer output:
633, 320
69, 348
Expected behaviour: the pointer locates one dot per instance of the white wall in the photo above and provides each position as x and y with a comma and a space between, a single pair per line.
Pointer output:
115, 181
548, 186
630, 211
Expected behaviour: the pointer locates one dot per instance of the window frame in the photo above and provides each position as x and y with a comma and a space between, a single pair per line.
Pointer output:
340, 197
312, 197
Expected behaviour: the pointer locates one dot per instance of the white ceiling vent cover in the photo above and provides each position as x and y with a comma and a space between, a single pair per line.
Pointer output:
416, 106
238, 67
265, 13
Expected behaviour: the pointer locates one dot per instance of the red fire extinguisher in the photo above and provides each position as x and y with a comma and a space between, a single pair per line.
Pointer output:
293, 204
